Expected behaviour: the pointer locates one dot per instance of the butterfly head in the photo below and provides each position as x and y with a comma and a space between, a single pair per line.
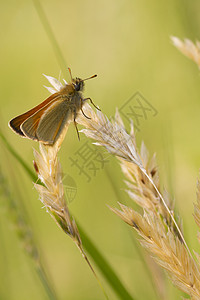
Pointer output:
78, 84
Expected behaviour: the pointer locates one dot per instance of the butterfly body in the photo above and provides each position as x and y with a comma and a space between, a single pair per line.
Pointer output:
72, 93
45, 122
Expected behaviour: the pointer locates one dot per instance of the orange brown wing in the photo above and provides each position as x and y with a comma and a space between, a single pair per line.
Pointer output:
17, 121
47, 124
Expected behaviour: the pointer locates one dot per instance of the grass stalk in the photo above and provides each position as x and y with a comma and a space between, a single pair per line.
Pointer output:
49, 32
107, 271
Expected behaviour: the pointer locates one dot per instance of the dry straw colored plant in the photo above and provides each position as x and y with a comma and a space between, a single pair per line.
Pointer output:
160, 233
188, 48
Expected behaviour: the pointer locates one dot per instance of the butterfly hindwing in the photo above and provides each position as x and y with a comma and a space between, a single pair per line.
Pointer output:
53, 121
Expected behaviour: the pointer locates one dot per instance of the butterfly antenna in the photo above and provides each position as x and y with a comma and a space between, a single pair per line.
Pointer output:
70, 72
93, 76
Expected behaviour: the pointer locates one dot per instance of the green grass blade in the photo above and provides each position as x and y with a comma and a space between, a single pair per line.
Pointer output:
43, 278
18, 157
104, 266
60, 58
97, 257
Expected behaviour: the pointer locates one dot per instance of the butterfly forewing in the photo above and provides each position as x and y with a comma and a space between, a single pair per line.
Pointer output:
47, 127
16, 122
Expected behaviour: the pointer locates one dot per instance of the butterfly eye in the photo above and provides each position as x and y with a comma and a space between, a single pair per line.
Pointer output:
77, 86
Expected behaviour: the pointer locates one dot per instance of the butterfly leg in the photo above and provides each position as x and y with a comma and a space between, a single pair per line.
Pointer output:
82, 102
85, 114
91, 102
75, 123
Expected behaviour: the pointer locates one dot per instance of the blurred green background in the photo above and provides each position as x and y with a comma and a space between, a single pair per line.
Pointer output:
127, 43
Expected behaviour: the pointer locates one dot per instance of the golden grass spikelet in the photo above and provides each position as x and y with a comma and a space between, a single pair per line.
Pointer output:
158, 228
52, 191
113, 136
141, 190
166, 248
188, 48
109, 133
